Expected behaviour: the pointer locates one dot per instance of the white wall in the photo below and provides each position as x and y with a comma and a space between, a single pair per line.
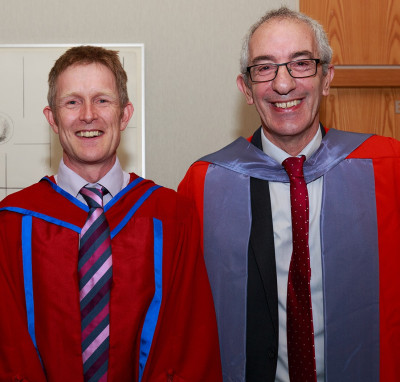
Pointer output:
191, 60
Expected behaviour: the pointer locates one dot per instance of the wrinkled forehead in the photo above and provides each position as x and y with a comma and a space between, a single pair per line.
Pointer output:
282, 39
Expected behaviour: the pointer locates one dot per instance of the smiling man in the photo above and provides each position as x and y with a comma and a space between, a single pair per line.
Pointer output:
101, 275
301, 225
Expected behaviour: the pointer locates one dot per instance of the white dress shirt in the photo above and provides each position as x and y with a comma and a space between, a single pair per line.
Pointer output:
282, 225
114, 181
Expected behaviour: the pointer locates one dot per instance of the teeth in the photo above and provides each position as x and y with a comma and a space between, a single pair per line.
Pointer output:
284, 105
89, 134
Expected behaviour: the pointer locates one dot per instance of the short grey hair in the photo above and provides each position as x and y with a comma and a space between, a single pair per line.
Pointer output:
284, 13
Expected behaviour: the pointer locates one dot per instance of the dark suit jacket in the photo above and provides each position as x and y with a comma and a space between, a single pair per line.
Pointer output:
262, 294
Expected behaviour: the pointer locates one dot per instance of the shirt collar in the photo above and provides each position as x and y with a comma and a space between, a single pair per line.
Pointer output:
113, 181
279, 155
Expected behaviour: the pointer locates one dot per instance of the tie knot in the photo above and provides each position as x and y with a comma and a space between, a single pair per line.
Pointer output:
294, 166
93, 196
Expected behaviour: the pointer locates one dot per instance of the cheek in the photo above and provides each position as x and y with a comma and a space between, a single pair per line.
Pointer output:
65, 121
259, 99
315, 94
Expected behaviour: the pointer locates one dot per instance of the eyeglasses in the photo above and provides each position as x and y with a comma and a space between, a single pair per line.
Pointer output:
297, 69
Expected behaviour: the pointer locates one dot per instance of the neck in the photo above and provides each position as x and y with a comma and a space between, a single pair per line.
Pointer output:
92, 172
292, 144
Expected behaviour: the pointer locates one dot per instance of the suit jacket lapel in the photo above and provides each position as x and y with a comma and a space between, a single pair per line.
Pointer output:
262, 296
262, 238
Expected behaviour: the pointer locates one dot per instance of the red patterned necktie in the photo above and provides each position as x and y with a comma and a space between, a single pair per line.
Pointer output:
299, 324
95, 277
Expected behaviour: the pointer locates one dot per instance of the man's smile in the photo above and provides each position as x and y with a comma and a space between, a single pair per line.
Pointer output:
89, 134
285, 105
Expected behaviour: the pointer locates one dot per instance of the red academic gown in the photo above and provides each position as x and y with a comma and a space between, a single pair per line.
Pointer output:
360, 239
162, 320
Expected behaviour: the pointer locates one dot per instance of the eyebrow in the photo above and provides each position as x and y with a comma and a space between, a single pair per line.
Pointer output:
293, 56
100, 93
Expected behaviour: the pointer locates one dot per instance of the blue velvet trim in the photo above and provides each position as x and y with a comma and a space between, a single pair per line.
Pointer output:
26, 237
43, 217
150, 321
122, 193
64, 193
132, 211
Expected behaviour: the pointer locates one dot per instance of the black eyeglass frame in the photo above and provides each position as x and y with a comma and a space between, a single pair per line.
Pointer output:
316, 60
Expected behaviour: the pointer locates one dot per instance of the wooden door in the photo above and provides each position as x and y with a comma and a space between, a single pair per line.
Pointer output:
365, 37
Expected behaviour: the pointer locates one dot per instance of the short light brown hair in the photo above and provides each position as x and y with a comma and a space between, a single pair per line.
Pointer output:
84, 55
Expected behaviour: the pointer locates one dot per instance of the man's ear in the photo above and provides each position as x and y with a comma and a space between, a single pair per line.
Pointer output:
127, 113
48, 113
327, 80
242, 86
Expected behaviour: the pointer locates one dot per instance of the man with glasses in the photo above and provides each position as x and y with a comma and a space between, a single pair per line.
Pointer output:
301, 225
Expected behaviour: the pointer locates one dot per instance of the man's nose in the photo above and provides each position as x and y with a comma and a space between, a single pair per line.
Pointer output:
88, 112
283, 82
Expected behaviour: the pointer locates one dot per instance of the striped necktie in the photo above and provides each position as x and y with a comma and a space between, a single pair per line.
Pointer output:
299, 325
95, 277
